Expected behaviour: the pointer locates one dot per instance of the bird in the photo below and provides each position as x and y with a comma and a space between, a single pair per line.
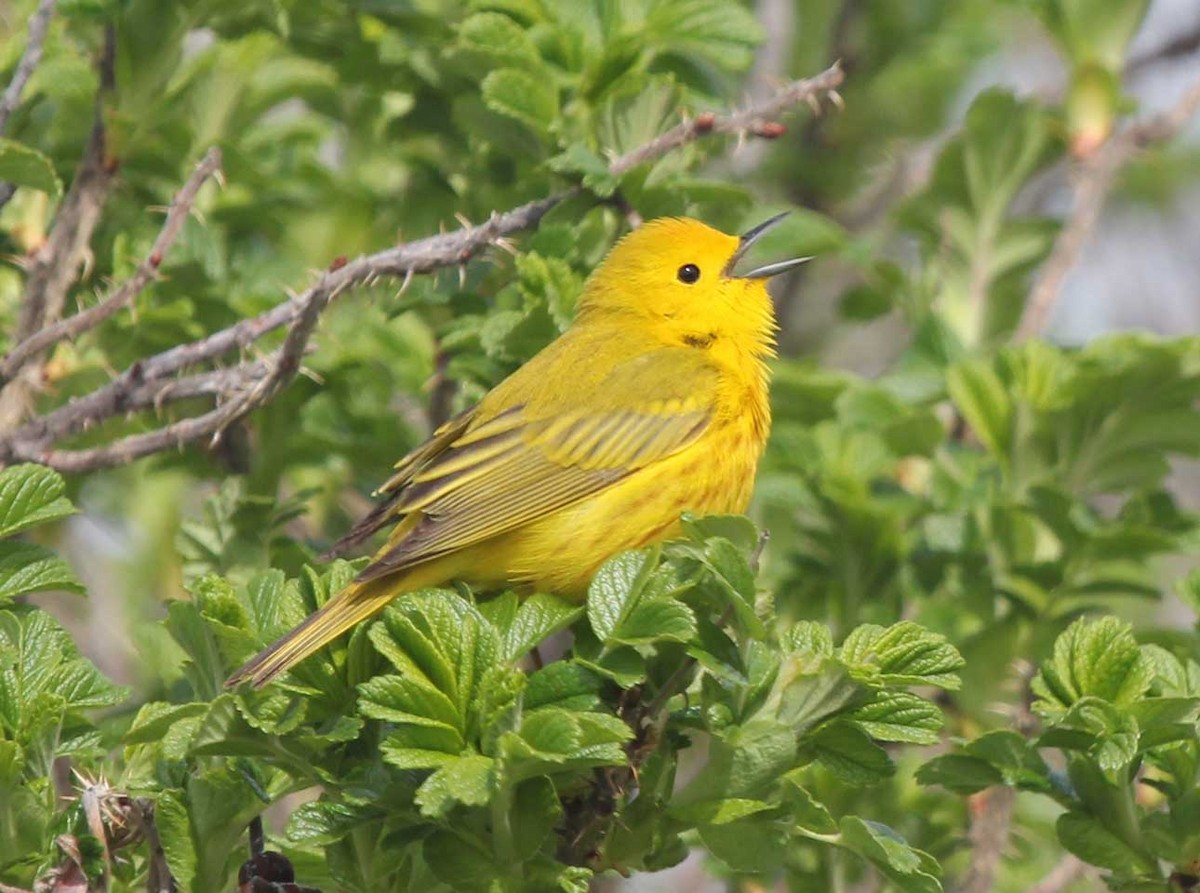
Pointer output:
651, 404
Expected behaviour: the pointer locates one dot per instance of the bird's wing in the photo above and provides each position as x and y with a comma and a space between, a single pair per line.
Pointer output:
385, 513
555, 448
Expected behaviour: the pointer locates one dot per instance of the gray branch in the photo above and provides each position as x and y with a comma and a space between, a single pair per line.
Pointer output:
249, 386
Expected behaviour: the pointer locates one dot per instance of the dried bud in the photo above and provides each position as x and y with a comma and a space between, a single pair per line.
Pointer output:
770, 130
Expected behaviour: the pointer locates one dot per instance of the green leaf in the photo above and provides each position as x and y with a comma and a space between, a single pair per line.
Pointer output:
960, 773
30, 495
718, 812
520, 95
805, 810
429, 718
26, 567
469, 780
616, 590
809, 691
155, 718
983, 401
23, 166
909, 869
460, 862
903, 654
899, 716
591, 168
847, 752
1086, 837
1093, 658
175, 835
752, 845
655, 620
499, 37
539, 617
743, 761
41, 670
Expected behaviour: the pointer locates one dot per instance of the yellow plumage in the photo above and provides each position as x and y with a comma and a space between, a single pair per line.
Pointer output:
653, 403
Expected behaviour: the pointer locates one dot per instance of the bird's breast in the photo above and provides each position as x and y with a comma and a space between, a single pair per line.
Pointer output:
713, 475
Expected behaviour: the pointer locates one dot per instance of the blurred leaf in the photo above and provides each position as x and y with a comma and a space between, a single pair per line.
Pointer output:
24, 166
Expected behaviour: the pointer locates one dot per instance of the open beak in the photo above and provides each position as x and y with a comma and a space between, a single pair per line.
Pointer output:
767, 270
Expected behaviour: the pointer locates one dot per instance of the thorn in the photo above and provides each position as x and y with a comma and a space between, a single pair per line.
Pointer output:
408, 278
505, 244
835, 99
814, 103
462, 276
462, 220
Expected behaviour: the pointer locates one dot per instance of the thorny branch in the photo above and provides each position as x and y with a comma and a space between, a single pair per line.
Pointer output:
1095, 180
39, 26
119, 298
55, 265
150, 382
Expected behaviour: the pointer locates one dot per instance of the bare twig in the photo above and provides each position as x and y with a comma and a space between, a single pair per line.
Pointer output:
992, 812
55, 265
39, 26
130, 390
1095, 180
1068, 870
740, 123
158, 876
87, 319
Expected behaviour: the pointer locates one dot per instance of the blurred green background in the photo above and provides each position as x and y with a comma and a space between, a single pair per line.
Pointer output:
921, 466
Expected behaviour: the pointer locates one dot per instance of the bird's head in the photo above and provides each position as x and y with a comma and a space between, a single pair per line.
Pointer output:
681, 277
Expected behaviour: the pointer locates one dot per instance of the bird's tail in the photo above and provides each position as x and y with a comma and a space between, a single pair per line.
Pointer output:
352, 605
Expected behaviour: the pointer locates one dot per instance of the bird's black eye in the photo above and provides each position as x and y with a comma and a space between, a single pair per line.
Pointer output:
688, 273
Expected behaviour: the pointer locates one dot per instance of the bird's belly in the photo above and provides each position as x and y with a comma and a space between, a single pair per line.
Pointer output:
561, 552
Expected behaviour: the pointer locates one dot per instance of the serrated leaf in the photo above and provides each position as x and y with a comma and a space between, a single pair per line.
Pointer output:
28, 567
616, 589
496, 35
983, 401
909, 869
1086, 837
24, 166
903, 654
655, 620
718, 812
30, 495
1093, 658
468, 780
961, 773
899, 716
743, 761
409, 701
175, 837
518, 94
539, 617
754, 844
847, 752
805, 810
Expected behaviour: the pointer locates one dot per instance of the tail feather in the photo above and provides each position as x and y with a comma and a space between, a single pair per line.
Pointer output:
352, 605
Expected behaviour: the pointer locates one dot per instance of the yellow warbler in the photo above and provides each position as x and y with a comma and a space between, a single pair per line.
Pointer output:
653, 403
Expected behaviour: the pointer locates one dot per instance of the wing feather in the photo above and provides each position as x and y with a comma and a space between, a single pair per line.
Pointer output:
508, 468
